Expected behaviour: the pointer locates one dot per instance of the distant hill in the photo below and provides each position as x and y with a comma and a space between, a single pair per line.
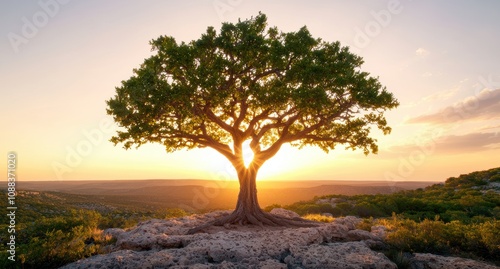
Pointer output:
203, 195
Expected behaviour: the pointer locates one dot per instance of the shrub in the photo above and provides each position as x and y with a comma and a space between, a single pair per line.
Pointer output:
319, 218
434, 236
410, 236
495, 178
365, 210
401, 259
53, 242
489, 232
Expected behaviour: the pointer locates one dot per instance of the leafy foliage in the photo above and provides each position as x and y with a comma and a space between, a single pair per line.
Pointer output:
53, 242
435, 236
250, 82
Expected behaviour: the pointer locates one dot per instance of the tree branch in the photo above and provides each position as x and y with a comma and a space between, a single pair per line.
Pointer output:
242, 115
228, 128
248, 132
206, 141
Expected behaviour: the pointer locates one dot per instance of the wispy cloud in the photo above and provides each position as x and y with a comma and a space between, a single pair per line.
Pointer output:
484, 106
427, 75
421, 52
454, 144
490, 127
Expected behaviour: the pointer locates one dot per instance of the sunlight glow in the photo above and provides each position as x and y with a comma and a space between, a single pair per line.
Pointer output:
247, 153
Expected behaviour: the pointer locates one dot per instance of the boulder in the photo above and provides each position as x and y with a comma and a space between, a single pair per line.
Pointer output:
284, 213
351, 255
379, 231
358, 235
350, 222
431, 261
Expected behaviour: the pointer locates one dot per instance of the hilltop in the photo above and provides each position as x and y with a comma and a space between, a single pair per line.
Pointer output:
468, 198
343, 242
426, 227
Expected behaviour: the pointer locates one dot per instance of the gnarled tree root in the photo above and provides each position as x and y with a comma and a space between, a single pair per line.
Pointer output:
256, 217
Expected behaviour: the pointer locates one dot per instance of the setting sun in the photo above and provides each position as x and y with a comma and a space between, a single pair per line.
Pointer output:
247, 153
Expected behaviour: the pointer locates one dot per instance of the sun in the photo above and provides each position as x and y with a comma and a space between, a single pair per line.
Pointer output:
247, 154
288, 164
284, 165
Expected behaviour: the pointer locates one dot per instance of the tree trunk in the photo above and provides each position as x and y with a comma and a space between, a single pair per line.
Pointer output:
248, 211
247, 207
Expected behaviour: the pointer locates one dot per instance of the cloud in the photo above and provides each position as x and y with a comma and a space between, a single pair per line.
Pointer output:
483, 106
468, 143
490, 127
422, 52
451, 144
427, 75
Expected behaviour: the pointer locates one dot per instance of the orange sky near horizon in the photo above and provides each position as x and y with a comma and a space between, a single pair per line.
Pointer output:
62, 59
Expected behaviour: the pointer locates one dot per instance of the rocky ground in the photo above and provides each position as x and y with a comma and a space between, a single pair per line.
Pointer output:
158, 244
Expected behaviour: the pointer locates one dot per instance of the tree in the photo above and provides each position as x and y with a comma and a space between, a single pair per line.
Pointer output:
250, 82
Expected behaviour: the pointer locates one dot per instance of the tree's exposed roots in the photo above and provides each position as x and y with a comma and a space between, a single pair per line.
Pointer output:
256, 217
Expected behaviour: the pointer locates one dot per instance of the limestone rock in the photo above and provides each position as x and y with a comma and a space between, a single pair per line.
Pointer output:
113, 232
333, 232
350, 222
358, 235
431, 261
338, 255
379, 231
284, 213
164, 244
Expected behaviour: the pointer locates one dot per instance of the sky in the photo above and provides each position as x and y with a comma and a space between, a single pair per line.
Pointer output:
60, 60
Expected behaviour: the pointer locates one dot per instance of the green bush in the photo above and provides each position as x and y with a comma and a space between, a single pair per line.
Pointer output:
53, 242
495, 178
435, 236
410, 236
490, 237
365, 209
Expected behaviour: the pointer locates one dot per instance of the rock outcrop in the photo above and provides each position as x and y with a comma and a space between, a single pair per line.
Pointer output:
431, 261
165, 244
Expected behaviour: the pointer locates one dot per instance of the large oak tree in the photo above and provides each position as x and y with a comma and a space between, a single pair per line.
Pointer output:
250, 82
